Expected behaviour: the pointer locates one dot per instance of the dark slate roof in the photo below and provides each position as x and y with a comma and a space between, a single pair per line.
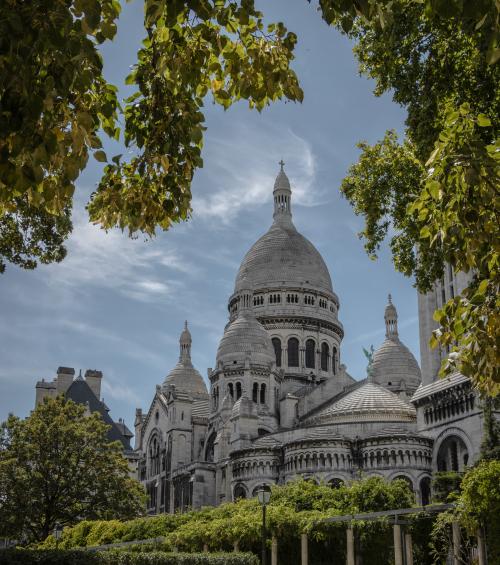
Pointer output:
80, 392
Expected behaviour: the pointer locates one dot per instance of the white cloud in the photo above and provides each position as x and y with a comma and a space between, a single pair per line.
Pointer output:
242, 173
137, 268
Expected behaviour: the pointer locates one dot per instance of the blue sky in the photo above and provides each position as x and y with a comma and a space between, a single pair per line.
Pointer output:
118, 305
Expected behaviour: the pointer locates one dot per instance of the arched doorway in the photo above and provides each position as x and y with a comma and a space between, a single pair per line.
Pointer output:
239, 492
336, 483
452, 455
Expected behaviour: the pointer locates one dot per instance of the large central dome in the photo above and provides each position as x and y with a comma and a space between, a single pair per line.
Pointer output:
283, 257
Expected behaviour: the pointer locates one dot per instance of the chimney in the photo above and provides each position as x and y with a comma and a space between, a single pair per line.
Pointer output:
64, 379
93, 379
138, 428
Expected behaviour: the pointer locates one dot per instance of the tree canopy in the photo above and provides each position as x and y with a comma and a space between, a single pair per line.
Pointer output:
55, 105
438, 188
57, 465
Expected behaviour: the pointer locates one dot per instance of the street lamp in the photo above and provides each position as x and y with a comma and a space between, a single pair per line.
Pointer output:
264, 497
57, 533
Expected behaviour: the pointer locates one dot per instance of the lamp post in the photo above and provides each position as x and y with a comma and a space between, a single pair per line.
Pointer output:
57, 533
264, 497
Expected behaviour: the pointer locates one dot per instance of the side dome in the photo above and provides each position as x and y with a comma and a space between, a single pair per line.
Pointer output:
393, 364
245, 338
367, 403
184, 376
283, 256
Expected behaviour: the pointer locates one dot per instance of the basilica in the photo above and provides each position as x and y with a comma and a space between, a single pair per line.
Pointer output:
281, 404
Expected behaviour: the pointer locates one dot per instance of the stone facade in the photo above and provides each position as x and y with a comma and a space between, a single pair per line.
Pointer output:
280, 403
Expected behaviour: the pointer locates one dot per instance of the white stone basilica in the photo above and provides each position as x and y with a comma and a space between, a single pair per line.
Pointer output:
281, 405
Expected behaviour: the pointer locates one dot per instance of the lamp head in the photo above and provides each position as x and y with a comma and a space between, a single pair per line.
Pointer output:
264, 496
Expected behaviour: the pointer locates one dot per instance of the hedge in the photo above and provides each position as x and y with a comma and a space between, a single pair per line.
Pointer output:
79, 557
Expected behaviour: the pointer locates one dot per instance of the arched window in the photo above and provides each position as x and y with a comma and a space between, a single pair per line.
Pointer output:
293, 352
262, 393
231, 390
425, 491
325, 353
238, 390
310, 353
209, 452
277, 350
255, 392
334, 360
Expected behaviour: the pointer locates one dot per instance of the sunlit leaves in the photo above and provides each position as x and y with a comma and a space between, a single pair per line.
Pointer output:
58, 465
193, 49
438, 190
53, 102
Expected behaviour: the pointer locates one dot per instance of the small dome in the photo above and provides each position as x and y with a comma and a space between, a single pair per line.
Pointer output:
245, 338
369, 402
393, 362
184, 376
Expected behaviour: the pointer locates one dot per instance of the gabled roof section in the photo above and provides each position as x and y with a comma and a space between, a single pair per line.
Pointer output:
80, 392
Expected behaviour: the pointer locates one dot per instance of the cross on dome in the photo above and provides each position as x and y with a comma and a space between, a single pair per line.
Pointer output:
282, 164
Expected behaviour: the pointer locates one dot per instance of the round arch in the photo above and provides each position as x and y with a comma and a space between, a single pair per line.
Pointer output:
240, 491
443, 437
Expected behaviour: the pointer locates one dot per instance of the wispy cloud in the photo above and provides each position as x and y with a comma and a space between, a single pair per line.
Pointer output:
378, 333
136, 268
242, 174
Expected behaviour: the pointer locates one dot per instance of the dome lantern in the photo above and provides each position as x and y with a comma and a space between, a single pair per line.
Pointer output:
185, 342
282, 195
391, 320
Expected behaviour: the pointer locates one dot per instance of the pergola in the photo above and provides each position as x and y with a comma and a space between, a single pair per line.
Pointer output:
403, 550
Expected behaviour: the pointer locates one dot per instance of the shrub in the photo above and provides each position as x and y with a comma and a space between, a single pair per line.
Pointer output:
78, 557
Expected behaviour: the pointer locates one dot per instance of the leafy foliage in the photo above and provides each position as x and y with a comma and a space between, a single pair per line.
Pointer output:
439, 188
446, 486
29, 234
477, 506
490, 446
54, 104
44, 557
294, 508
57, 465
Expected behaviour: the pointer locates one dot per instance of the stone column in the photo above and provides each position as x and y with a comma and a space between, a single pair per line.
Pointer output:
236, 547
398, 553
303, 550
409, 549
205, 548
481, 547
350, 546
274, 551
455, 529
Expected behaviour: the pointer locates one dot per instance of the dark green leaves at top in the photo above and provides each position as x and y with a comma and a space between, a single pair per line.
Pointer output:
53, 102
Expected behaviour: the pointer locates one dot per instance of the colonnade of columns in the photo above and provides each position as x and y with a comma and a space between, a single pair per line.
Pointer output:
403, 547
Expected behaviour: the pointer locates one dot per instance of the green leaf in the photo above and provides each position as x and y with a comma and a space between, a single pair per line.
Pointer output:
100, 156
